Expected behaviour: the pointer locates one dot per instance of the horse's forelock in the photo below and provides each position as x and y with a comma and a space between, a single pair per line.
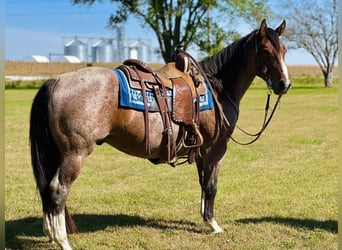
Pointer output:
272, 35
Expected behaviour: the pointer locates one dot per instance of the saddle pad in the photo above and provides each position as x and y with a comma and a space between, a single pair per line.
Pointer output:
133, 99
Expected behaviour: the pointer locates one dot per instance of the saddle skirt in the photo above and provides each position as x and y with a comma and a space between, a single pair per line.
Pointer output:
131, 95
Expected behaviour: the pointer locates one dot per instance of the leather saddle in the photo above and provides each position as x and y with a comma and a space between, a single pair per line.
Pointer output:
187, 85
166, 74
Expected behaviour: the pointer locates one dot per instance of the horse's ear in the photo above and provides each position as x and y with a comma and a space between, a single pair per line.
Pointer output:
263, 27
281, 28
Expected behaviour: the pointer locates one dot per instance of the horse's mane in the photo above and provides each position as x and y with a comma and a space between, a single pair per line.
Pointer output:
220, 65
223, 66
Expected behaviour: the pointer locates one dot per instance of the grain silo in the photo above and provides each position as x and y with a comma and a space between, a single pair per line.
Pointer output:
103, 51
140, 50
76, 48
133, 51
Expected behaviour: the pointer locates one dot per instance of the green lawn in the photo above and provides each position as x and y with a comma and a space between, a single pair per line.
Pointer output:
279, 193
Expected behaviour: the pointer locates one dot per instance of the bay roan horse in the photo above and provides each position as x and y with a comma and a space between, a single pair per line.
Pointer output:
79, 110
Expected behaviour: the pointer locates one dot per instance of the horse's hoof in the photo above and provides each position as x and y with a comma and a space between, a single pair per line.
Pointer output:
217, 231
214, 226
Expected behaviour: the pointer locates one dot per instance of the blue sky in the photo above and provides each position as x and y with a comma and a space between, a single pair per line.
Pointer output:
41, 27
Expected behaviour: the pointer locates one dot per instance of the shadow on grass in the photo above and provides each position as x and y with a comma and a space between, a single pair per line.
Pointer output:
22, 233
310, 224
92, 223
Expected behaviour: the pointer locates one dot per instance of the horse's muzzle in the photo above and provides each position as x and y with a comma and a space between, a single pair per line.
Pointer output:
282, 87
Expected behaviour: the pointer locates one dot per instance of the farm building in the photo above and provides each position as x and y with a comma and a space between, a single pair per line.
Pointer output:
69, 59
36, 58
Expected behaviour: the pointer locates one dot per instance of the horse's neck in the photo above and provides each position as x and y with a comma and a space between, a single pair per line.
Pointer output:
235, 68
237, 78
231, 97
240, 82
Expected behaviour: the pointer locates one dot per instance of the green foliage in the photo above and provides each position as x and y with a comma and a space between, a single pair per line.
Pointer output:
314, 29
205, 23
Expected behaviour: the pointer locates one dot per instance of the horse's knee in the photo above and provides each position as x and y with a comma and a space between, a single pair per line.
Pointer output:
211, 189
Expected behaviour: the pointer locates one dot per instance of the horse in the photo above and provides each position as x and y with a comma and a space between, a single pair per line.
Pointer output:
79, 110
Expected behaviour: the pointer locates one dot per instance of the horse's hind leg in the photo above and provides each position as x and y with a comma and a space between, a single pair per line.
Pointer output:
56, 217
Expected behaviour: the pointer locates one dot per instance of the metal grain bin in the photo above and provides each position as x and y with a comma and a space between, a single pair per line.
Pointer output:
140, 50
103, 51
76, 48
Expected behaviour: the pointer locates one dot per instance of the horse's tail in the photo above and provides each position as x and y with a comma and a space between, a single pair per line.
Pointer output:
45, 156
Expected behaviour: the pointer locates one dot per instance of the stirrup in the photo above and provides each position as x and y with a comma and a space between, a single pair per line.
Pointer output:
198, 135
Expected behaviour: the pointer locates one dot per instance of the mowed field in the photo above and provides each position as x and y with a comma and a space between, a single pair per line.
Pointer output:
13, 68
278, 193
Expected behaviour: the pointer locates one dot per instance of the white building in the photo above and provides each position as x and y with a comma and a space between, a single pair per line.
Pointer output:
69, 59
36, 58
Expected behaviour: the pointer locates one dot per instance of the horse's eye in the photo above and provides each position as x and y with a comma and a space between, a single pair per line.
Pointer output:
268, 54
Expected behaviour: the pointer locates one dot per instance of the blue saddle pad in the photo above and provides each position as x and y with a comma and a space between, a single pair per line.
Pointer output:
133, 99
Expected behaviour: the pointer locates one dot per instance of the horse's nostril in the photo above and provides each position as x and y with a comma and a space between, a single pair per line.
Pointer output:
282, 84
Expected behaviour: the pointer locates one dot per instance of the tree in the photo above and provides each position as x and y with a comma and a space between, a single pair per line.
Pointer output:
312, 25
185, 22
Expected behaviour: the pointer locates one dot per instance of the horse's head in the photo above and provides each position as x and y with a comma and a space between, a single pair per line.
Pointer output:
270, 53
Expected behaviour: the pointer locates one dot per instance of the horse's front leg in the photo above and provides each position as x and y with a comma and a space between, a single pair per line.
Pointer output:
208, 174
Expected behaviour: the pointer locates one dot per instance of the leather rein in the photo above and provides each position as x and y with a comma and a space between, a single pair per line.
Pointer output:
267, 119
264, 125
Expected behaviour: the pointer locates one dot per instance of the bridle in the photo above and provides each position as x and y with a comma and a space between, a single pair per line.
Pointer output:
264, 70
267, 119
267, 105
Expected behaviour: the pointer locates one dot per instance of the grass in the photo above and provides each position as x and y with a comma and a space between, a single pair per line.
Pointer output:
279, 193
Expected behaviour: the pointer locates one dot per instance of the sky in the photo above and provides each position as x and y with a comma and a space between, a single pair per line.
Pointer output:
43, 27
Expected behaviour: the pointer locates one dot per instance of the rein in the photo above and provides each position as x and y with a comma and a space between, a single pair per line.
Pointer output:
264, 125
224, 117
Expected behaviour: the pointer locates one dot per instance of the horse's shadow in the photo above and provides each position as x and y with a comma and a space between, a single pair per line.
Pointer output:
19, 232
92, 223
308, 224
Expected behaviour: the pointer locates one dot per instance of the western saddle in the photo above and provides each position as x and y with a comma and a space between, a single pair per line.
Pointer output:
183, 78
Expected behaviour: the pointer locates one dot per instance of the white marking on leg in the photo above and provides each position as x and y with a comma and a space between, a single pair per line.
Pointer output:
202, 204
59, 231
47, 227
214, 226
